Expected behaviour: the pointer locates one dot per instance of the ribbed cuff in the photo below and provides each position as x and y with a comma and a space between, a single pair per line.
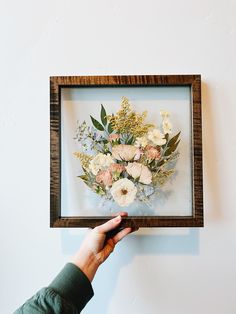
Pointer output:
73, 285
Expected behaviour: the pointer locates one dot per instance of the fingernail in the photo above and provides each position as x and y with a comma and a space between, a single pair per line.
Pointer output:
118, 218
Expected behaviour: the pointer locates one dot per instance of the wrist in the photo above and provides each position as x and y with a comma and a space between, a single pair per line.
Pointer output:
87, 263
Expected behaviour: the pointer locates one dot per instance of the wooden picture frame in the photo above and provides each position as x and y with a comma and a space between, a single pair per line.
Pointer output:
57, 83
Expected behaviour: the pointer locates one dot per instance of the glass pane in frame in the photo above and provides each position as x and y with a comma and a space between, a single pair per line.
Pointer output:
78, 103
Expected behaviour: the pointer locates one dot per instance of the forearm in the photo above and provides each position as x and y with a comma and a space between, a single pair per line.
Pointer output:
68, 293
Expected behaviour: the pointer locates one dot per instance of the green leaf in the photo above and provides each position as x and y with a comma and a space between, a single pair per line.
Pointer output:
85, 171
173, 140
129, 142
160, 163
103, 116
97, 124
105, 141
167, 137
109, 128
88, 184
83, 177
171, 149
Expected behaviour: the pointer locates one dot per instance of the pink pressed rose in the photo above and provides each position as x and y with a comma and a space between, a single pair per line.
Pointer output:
113, 137
116, 168
126, 152
105, 177
152, 153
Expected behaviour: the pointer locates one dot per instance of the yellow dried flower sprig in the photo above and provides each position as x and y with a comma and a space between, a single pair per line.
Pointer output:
160, 178
127, 121
84, 159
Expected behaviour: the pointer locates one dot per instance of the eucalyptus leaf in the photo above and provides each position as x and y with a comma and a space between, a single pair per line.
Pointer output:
103, 115
97, 124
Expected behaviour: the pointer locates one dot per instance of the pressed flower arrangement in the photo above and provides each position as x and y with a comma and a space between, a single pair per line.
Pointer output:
125, 159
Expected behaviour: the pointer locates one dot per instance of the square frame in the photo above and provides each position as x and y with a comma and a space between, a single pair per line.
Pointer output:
59, 82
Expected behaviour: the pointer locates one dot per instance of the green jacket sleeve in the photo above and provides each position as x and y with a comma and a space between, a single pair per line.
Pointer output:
68, 293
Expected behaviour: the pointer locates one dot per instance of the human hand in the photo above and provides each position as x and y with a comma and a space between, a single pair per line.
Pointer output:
95, 248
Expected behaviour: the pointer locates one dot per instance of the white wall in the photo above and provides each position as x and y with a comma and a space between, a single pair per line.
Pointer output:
155, 271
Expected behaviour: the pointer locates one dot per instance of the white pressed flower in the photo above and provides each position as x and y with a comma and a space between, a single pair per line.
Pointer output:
165, 114
123, 191
107, 161
141, 142
100, 162
167, 126
156, 137
140, 172
125, 152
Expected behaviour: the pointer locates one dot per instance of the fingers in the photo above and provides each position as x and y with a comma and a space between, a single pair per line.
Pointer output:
122, 214
109, 225
108, 249
134, 229
120, 235
114, 223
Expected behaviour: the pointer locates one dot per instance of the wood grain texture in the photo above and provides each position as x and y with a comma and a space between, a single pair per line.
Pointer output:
55, 160
58, 82
138, 80
139, 221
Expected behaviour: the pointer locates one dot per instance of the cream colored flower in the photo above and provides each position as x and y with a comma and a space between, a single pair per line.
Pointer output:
125, 152
164, 114
141, 142
140, 172
100, 162
167, 126
123, 191
156, 137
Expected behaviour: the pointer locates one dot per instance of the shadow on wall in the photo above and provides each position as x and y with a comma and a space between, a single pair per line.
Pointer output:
145, 242
211, 161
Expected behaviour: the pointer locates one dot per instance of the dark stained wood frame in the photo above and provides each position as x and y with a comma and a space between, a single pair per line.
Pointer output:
58, 82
